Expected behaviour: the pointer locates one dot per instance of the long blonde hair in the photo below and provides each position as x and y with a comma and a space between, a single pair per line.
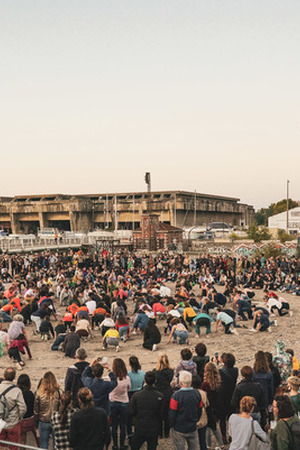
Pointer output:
212, 376
163, 363
49, 385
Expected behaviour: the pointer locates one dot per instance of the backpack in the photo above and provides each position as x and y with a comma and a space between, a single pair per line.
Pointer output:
4, 409
294, 430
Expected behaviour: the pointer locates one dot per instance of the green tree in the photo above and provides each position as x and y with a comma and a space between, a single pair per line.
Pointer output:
262, 215
258, 233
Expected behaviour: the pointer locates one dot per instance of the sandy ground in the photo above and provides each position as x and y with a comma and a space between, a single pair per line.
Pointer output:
242, 346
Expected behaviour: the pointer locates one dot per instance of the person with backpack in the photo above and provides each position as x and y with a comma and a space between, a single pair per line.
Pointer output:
12, 408
286, 434
73, 380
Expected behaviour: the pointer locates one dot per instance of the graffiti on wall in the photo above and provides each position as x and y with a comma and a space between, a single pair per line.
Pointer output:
288, 248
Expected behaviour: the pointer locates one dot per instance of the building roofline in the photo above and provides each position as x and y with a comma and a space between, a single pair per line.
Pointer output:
140, 193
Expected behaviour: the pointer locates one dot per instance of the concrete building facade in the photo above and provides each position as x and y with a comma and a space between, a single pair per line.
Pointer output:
27, 214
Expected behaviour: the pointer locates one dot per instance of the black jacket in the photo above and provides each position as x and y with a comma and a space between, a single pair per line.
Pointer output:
163, 380
73, 380
146, 407
152, 334
201, 361
252, 389
89, 429
228, 382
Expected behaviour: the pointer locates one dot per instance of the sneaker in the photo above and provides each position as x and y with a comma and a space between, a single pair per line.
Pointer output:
291, 313
117, 348
252, 329
124, 338
103, 348
275, 323
269, 330
43, 337
234, 332
133, 332
154, 348
46, 337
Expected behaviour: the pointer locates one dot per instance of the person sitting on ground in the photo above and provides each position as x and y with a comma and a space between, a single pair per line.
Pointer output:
46, 329
240, 425
71, 343
111, 337
152, 336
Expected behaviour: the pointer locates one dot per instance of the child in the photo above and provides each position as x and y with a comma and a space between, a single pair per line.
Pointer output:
295, 360
111, 337
46, 328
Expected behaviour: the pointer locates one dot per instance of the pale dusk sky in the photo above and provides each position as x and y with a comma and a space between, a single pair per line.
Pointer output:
203, 94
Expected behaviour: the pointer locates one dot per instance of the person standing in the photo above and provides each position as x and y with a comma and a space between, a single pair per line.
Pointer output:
146, 407
12, 408
92, 379
164, 376
46, 402
89, 429
119, 403
184, 413
73, 380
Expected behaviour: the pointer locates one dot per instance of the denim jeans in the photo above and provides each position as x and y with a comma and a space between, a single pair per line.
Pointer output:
181, 335
123, 331
45, 430
202, 438
60, 338
118, 415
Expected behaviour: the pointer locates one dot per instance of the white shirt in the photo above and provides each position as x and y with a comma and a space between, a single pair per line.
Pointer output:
91, 306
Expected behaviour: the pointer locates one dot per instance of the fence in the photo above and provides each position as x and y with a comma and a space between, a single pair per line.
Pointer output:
14, 444
19, 245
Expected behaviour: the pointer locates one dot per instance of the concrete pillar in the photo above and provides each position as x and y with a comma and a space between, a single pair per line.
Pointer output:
43, 221
72, 218
15, 224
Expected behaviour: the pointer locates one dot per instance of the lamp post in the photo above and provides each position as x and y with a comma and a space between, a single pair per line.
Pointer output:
287, 205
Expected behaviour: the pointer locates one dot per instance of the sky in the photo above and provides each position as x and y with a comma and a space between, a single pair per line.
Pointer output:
204, 94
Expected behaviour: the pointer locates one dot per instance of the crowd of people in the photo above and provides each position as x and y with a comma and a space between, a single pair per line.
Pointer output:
72, 297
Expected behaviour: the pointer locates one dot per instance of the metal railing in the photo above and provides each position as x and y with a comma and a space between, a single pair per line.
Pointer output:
14, 444
8, 245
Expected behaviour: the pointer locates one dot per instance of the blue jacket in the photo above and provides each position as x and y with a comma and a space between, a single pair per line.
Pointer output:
185, 410
141, 321
100, 388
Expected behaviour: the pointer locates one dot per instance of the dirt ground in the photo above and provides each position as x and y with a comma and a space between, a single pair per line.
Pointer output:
242, 346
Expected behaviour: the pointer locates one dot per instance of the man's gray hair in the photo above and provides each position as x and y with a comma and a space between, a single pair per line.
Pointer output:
185, 378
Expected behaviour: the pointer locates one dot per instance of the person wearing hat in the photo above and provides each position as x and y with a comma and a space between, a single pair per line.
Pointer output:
294, 385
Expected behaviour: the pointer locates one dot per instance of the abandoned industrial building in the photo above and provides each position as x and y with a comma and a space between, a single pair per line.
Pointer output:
82, 213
